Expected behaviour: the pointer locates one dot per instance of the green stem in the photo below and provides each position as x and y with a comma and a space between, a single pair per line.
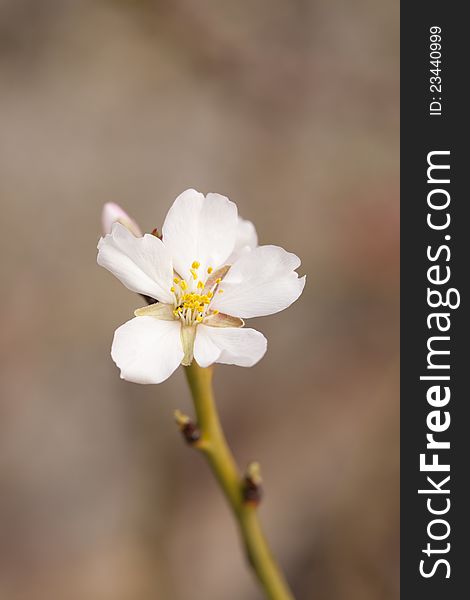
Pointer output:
214, 446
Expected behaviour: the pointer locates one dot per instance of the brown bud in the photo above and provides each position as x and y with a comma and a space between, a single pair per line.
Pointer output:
252, 490
190, 431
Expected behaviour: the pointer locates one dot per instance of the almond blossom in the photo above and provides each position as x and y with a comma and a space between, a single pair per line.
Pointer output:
113, 213
206, 274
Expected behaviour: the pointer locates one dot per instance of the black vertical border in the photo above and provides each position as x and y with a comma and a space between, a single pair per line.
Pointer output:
420, 134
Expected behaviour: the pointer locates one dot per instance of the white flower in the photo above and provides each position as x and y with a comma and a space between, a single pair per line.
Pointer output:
113, 213
206, 274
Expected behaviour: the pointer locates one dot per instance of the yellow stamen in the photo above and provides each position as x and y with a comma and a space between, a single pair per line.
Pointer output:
209, 270
196, 265
216, 312
218, 280
220, 292
176, 280
172, 289
192, 305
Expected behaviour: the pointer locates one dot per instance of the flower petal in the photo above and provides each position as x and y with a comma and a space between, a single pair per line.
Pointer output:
212, 279
205, 350
228, 345
246, 239
223, 320
147, 350
261, 282
113, 213
157, 310
143, 264
200, 229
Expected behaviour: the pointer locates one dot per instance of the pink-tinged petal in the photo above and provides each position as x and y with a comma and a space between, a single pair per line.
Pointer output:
212, 279
246, 239
223, 320
147, 350
113, 213
157, 310
261, 282
143, 264
228, 345
201, 229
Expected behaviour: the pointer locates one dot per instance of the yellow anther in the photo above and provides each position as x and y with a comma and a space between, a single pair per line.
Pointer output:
196, 265
209, 270
194, 274
183, 285
218, 280
192, 305
220, 292
176, 280
216, 312
172, 289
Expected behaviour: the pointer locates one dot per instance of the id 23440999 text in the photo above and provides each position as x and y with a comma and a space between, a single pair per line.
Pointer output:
435, 71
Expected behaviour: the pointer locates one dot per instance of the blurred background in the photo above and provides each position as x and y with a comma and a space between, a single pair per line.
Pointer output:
291, 109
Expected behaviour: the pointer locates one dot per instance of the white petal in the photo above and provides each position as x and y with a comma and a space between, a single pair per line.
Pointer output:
205, 351
200, 229
147, 350
228, 345
261, 282
113, 213
143, 264
246, 240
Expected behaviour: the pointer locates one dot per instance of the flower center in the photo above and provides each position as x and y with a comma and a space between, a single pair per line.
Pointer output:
192, 298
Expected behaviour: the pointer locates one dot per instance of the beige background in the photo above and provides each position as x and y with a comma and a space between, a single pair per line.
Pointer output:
291, 109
